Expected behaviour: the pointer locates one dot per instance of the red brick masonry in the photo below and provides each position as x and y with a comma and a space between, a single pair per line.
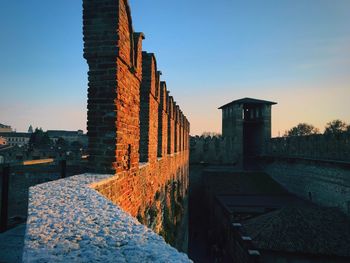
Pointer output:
135, 129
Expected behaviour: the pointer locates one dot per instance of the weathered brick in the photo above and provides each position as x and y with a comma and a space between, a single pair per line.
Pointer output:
132, 118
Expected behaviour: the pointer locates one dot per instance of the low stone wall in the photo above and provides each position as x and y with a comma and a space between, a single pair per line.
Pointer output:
69, 221
324, 183
22, 177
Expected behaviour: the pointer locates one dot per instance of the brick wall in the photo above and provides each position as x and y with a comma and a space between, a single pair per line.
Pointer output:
149, 109
132, 121
156, 195
162, 121
171, 125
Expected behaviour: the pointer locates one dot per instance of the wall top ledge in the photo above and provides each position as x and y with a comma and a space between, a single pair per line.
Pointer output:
68, 221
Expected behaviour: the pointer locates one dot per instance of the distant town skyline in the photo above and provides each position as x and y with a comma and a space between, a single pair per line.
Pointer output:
293, 52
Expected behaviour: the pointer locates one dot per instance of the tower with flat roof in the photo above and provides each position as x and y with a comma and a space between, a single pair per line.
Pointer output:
246, 127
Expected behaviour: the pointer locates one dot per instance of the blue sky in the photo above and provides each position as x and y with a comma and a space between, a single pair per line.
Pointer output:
210, 52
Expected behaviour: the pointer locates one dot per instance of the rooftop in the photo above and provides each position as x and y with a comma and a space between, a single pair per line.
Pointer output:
248, 101
15, 134
308, 230
235, 203
242, 183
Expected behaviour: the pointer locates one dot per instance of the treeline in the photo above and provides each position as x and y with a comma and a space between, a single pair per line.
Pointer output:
41, 140
334, 127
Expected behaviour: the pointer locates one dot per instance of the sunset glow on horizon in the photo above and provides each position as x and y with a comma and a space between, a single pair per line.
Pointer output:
296, 53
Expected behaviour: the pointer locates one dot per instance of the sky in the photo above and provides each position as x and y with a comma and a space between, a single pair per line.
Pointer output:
294, 52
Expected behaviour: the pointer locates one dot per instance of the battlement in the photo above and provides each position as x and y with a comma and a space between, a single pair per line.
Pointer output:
139, 137
317, 146
134, 126
125, 94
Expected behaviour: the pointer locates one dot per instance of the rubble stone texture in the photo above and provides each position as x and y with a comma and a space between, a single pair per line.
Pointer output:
69, 221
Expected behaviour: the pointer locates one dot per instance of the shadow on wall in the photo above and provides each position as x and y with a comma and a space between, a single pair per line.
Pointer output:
210, 150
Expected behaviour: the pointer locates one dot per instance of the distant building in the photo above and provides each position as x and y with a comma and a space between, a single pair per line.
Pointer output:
69, 136
16, 138
5, 128
246, 127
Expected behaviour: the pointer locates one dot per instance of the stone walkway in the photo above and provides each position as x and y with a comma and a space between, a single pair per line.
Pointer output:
11, 244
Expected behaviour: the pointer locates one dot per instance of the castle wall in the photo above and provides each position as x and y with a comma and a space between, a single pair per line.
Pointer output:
157, 196
325, 184
22, 177
171, 125
149, 109
316, 146
135, 128
210, 150
315, 167
162, 121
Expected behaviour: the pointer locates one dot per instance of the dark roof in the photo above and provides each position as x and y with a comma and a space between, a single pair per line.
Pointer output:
242, 183
15, 134
234, 203
307, 230
248, 101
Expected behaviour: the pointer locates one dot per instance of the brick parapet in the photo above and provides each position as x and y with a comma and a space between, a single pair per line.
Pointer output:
157, 90
171, 126
147, 182
131, 116
176, 128
137, 66
100, 53
182, 130
162, 121
149, 109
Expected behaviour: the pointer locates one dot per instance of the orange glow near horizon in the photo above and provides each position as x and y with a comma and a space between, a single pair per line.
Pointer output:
315, 106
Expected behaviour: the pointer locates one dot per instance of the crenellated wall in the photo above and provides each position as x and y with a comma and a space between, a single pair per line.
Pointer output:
163, 121
135, 128
210, 150
315, 167
316, 146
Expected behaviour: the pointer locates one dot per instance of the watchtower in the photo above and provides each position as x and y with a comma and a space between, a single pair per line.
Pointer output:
246, 127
